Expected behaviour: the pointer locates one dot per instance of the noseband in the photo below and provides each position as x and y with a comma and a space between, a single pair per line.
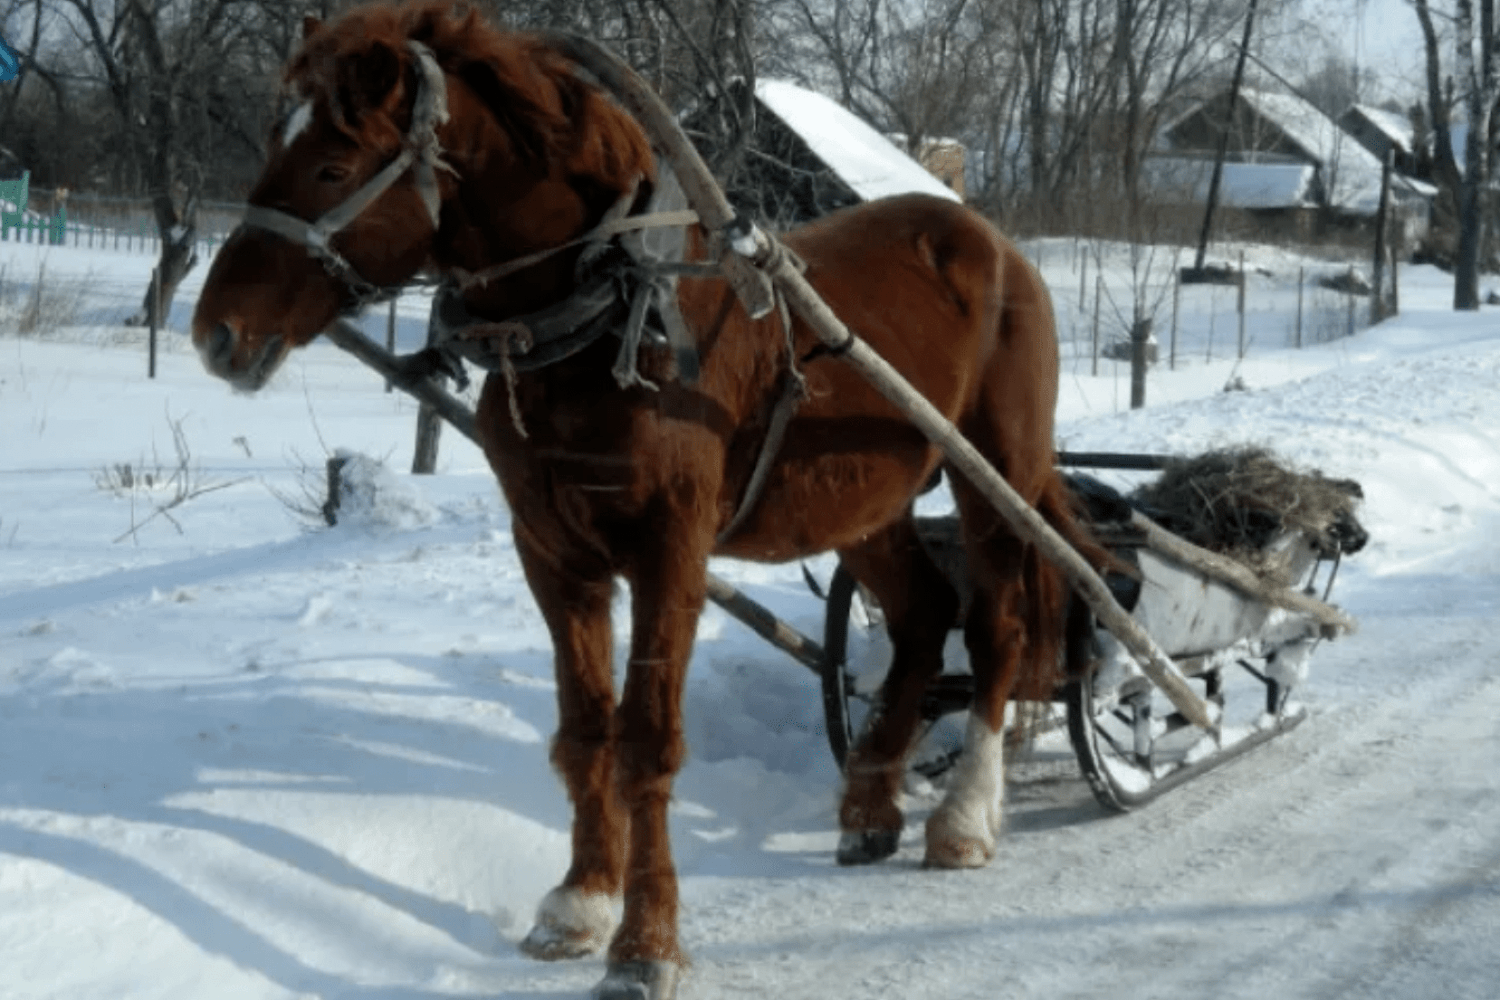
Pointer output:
420, 153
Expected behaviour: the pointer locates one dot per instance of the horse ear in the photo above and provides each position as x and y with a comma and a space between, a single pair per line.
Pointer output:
310, 24
368, 80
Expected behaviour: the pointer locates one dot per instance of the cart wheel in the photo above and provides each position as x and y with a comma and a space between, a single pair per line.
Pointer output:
1114, 743
838, 683
854, 634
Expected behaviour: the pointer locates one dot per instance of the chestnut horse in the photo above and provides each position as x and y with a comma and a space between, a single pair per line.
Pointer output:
425, 141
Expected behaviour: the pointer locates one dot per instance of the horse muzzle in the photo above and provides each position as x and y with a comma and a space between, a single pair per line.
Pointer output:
223, 355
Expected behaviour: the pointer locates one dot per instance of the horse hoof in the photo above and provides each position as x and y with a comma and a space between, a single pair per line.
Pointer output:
639, 980
865, 847
948, 848
569, 924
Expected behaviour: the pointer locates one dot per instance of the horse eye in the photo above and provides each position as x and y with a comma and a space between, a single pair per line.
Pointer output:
333, 174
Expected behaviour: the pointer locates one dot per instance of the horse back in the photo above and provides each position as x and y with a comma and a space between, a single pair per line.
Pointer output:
951, 304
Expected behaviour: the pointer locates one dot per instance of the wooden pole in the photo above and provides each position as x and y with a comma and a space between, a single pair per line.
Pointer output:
766, 256
432, 394
426, 390
1215, 177
974, 467
1234, 574
1140, 335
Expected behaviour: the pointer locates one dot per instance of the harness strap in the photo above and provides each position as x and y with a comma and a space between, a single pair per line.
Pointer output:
603, 231
793, 392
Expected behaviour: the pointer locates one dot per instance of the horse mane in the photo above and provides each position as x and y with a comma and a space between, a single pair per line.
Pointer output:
555, 120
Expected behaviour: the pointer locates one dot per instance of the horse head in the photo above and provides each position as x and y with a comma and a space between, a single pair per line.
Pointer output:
415, 138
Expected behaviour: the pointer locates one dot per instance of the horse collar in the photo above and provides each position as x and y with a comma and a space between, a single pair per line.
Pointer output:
421, 153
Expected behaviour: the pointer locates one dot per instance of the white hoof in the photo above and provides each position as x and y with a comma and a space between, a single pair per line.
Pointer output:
569, 924
961, 833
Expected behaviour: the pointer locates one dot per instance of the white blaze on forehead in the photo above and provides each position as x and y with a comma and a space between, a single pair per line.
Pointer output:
296, 122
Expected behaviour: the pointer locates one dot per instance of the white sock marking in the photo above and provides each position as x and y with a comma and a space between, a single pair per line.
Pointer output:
976, 792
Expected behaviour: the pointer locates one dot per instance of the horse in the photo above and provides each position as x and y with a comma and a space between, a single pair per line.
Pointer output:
421, 140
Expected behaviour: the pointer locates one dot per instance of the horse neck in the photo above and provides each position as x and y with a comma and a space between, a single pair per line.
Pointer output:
503, 211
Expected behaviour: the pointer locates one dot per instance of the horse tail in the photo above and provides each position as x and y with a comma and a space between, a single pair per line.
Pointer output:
1054, 618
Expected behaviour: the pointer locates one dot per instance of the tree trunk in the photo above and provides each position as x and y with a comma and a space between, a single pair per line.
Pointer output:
1140, 337
179, 254
1475, 68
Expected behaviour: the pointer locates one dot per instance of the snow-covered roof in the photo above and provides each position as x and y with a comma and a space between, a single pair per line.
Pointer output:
1243, 185
1350, 172
862, 158
1395, 127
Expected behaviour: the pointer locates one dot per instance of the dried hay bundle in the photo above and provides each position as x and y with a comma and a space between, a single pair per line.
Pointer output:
1238, 501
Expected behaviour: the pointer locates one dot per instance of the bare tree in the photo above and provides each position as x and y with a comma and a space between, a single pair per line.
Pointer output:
1474, 82
172, 69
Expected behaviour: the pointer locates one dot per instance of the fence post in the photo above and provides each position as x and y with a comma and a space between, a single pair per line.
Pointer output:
1240, 305
390, 339
155, 310
1098, 294
1176, 306
1301, 282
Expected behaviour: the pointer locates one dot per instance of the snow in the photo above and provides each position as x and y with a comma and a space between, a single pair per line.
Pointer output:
246, 755
863, 158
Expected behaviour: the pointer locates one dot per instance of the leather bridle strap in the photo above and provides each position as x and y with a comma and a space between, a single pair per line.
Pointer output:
421, 153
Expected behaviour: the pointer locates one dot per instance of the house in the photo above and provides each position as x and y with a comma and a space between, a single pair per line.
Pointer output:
1339, 179
810, 156
1383, 132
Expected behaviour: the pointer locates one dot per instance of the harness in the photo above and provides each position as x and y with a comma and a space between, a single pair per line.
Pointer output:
420, 152
626, 283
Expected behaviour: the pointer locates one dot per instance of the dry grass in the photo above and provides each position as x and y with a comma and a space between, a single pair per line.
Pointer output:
1238, 501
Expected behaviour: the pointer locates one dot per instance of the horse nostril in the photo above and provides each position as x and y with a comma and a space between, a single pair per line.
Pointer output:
220, 346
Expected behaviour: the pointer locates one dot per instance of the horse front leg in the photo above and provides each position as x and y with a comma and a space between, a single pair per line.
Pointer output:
668, 586
577, 917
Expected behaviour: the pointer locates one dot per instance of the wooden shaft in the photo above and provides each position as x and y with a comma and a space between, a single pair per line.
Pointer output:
1021, 516
698, 184
1238, 576
765, 624
426, 390
767, 256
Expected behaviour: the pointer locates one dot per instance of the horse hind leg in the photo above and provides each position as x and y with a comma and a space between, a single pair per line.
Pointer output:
962, 831
1012, 633
920, 607
577, 917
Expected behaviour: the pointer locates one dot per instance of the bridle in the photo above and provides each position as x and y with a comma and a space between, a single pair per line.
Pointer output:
420, 152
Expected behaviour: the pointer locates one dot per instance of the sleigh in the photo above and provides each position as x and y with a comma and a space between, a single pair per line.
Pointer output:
1219, 619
